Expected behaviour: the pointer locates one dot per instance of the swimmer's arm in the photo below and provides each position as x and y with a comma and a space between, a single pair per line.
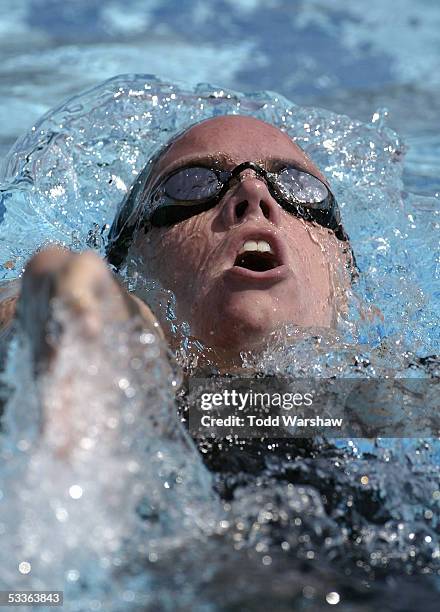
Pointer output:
10, 292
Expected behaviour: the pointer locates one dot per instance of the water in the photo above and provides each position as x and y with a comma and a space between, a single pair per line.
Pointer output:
69, 172
351, 524
350, 58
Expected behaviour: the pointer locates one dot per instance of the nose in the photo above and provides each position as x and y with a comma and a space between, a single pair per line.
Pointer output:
251, 199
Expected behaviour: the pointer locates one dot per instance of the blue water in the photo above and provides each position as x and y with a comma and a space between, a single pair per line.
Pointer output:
348, 57
357, 86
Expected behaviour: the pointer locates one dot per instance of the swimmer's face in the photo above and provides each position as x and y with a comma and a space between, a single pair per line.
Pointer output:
229, 306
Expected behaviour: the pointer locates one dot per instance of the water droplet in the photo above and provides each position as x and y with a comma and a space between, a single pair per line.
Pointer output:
332, 598
24, 567
72, 575
75, 492
123, 383
62, 515
146, 338
309, 592
128, 596
23, 445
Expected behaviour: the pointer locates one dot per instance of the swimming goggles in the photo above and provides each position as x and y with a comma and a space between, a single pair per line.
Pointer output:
190, 190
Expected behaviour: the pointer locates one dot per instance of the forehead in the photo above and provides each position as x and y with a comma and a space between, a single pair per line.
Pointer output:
234, 139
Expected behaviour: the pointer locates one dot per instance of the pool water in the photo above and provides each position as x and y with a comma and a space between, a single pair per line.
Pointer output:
135, 520
346, 57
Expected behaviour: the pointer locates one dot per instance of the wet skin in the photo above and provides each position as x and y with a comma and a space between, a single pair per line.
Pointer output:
231, 308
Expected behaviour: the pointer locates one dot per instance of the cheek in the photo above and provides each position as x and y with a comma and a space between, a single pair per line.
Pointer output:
317, 260
328, 270
173, 255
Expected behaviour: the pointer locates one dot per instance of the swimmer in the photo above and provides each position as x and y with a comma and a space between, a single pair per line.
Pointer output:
233, 218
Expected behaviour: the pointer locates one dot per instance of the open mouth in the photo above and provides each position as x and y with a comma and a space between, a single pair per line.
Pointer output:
257, 255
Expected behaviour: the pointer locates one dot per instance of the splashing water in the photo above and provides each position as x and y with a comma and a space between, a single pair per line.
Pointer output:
64, 180
128, 517
96, 471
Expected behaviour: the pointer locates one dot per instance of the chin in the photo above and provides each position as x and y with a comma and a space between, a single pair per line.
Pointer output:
235, 330
231, 341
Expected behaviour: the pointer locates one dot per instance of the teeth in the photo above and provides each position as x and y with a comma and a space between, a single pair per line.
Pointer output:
256, 245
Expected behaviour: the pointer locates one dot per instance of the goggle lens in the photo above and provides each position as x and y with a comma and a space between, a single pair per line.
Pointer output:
304, 188
192, 184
